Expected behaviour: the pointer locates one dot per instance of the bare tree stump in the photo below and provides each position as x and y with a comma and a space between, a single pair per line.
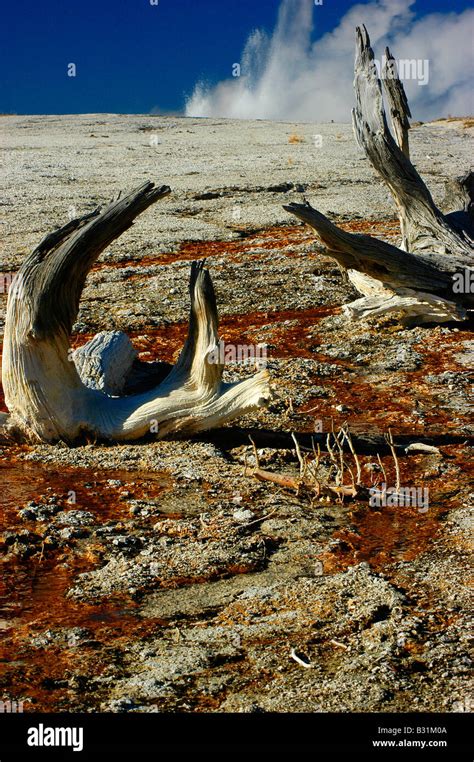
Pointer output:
423, 279
44, 392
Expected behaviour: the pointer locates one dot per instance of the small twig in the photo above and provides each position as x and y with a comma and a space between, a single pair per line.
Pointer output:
314, 466
389, 439
342, 490
383, 469
331, 454
341, 645
344, 461
307, 412
330, 450
299, 456
315, 484
348, 439
317, 454
262, 518
42, 553
341, 455
255, 452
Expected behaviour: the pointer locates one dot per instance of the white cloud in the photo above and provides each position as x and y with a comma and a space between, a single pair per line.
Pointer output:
287, 77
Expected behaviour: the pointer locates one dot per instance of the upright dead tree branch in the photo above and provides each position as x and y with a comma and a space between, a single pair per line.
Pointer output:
418, 278
398, 104
44, 391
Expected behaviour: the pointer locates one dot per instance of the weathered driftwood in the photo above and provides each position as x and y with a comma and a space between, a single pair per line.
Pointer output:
44, 392
421, 278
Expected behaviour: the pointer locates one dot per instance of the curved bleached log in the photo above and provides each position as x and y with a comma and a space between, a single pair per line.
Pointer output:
423, 279
44, 393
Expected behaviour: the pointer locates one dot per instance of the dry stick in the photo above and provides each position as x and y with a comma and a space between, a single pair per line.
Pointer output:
342, 490
338, 643
302, 461
353, 481
203, 522
389, 439
290, 482
340, 475
262, 518
341, 434
383, 469
307, 412
311, 470
284, 480
262, 475
308, 464
348, 439
331, 455
317, 455
315, 467
299, 456
339, 464
336, 442
315, 485
341, 454
255, 452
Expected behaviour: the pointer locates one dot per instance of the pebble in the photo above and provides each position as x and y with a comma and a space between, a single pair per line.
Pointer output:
243, 516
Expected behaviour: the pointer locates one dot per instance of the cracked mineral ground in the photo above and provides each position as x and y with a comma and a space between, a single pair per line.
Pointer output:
162, 576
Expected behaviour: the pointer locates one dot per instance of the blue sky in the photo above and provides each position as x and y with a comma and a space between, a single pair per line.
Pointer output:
131, 56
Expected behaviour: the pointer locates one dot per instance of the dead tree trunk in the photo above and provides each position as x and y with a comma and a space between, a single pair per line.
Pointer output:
44, 392
428, 278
